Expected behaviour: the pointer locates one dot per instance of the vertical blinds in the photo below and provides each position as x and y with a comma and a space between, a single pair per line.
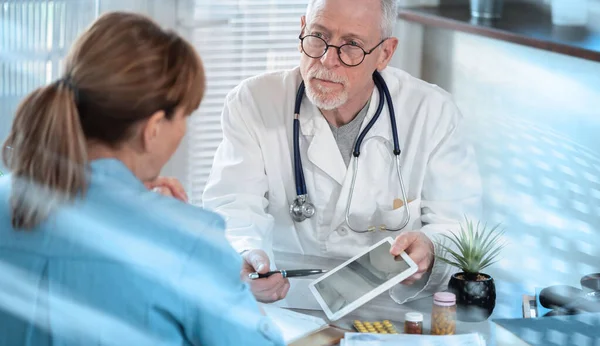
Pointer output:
34, 37
237, 40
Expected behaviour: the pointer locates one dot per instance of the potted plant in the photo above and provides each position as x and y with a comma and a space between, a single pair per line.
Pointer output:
473, 249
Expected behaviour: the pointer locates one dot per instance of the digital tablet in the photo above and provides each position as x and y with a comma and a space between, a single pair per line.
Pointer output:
360, 279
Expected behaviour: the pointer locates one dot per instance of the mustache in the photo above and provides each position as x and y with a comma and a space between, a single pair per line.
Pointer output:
326, 75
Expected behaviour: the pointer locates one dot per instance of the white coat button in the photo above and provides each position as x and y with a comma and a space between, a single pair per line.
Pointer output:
342, 231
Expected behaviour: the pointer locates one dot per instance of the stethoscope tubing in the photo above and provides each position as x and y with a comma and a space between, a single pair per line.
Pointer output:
384, 95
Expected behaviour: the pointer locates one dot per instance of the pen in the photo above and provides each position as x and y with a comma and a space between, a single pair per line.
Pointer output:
287, 273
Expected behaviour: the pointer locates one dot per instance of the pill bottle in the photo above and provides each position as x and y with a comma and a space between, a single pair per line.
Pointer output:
413, 323
443, 314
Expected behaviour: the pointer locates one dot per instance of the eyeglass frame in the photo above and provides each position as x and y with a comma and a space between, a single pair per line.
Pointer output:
338, 48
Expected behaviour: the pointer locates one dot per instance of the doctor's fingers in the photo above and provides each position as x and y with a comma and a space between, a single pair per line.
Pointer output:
258, 261
266, 291
403, 242
271, 284
277, 294
422, 256
283, 291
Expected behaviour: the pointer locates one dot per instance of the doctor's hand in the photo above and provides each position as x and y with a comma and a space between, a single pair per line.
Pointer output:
170, 187
419, 248
266, 290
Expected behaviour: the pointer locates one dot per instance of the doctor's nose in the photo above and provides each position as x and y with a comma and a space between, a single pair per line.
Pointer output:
331, 58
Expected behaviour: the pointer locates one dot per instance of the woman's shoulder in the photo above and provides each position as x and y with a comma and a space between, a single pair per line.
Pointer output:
164, 222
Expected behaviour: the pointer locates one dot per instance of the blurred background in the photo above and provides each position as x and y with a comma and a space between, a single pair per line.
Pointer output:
534, 113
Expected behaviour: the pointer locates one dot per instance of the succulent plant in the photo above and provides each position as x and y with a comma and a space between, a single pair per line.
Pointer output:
473, 249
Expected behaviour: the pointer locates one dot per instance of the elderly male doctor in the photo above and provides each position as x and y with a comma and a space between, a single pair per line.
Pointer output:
253, 180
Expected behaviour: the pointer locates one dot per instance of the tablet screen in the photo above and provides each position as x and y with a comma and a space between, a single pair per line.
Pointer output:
360, 277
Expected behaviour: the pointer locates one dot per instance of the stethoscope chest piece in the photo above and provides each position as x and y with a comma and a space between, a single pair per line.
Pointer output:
301, 209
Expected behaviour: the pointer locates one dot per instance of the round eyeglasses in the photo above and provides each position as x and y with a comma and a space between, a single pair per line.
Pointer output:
350, 55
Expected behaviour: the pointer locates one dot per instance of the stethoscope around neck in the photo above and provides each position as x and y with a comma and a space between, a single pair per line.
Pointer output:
301, 208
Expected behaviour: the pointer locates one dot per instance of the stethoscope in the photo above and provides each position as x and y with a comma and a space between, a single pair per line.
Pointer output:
302, 208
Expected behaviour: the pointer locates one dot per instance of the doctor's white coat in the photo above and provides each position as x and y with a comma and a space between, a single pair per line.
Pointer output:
252, 180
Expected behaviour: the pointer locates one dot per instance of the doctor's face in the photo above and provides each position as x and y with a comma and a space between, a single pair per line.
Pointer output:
330, 83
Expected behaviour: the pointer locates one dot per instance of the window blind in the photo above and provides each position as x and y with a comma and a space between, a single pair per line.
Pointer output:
237, 40
34, 38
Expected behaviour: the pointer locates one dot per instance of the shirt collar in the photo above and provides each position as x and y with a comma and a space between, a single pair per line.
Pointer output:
114, 171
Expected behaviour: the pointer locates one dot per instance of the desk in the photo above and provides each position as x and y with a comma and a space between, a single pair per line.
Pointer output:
382, 308
508, 305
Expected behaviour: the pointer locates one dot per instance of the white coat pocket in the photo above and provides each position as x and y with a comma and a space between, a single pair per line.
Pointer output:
393, 219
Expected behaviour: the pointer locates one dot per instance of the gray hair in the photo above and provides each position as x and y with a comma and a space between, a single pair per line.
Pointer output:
389, 13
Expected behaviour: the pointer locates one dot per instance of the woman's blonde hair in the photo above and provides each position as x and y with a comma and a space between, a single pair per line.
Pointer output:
121, 70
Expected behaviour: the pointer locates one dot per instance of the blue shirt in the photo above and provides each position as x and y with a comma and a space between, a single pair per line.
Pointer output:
124, 266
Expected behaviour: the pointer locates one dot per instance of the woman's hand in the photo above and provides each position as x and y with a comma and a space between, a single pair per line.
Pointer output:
169, 187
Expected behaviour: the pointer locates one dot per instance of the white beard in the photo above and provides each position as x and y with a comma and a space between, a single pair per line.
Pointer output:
324, 97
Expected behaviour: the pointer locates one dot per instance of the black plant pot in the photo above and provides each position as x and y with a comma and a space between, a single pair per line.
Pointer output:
475, 300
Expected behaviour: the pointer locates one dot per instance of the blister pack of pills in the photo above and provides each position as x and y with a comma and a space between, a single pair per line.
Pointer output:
377, 327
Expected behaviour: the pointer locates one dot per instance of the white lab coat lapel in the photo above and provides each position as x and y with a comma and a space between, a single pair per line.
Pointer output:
382, 129
322, 150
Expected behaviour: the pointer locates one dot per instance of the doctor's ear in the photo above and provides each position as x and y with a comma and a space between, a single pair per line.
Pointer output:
151, 131
387, 51
302, 27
